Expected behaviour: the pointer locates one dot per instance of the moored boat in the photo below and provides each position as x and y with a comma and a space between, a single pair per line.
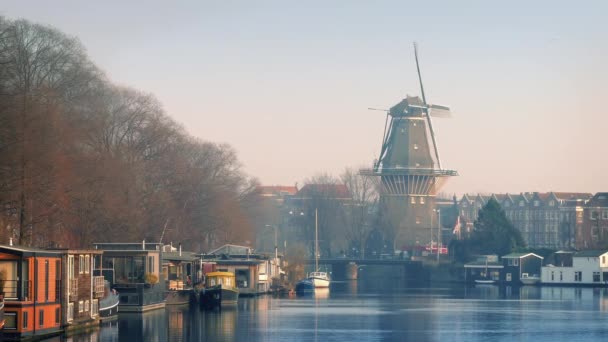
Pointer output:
529, 279
485, 281
220, 290
315, 279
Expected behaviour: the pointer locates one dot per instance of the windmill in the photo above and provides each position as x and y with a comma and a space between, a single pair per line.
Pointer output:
409, 171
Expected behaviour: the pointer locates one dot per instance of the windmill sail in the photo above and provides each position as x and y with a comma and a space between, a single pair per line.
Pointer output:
438, 111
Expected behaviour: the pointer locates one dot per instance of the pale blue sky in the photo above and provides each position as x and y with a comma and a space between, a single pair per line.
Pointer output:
288, 83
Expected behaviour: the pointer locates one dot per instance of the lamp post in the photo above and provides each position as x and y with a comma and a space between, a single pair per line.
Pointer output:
438, 233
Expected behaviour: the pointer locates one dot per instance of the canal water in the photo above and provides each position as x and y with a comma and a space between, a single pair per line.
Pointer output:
372, 311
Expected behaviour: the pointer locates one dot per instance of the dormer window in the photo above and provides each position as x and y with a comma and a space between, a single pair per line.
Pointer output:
551, 203
507, 204
521, 203
536, 203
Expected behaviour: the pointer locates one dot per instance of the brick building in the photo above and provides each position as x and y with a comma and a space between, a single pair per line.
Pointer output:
547, 220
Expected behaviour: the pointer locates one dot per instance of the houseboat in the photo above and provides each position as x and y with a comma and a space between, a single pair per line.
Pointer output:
32, 292
584, 268
518, 266
178, 273
81, 290
255, 273
133, 270
220, 290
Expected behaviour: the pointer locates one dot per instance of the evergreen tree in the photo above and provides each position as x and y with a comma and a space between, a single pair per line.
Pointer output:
494, 233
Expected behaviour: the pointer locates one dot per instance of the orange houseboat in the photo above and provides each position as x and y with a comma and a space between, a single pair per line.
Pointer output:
32, 292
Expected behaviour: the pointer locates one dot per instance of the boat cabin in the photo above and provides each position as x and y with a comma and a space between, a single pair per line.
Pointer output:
178, 268
220, 278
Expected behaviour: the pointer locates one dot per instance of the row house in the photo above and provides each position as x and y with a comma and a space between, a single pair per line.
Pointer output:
549, 220
594, 232
577, 268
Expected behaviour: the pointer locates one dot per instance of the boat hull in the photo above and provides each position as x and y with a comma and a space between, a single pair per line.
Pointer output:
179, 297
304, 285
530, 281
219, 296
320, 282
108, 306
485, 281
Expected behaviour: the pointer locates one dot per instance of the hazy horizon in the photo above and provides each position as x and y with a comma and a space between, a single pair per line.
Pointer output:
288, 84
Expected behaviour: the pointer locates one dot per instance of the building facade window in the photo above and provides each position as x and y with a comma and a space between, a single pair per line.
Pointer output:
80, 306
81, 264
596, 277
578, 276
25, 319
95, 307
515, 262
10, 320
552, 275
41, 318
421, 200
87, 263
57, 315
86, 305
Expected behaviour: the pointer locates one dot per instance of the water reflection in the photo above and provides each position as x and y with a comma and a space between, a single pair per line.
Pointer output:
364, 312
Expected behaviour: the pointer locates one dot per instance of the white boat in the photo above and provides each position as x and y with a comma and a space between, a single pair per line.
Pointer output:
315, 279
529, 279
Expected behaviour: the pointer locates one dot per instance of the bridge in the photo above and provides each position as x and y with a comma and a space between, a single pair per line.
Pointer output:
348, 268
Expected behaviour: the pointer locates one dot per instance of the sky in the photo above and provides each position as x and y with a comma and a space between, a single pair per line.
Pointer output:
288, 83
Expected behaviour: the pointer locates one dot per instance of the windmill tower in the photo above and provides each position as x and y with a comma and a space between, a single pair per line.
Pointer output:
408, 171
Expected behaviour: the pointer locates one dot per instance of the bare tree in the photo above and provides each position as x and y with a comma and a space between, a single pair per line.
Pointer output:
359, 212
